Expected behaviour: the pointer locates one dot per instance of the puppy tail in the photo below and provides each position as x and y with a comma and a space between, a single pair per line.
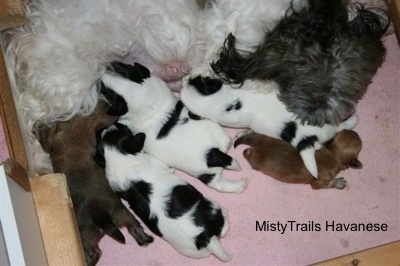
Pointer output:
215, 248
104, 221
308, 156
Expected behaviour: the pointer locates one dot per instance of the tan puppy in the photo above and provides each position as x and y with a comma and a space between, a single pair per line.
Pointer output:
280, 160
98, 209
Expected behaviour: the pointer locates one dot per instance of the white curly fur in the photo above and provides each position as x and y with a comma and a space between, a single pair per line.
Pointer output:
62, 52
246, 20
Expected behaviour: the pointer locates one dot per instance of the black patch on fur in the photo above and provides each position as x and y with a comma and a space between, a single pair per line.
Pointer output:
121, 138
306, 142
182, 199
138, 197
194, 116
236, 105
206, 178
206, 85
289, 131
216, 158
118, 104
211, 219
172, 121
136, 73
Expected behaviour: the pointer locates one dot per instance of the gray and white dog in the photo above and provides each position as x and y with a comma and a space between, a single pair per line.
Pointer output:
322, 60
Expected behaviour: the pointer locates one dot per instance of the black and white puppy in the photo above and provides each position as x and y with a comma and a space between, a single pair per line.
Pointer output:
322, 60
181, 140
99, 211
171, 208
256, 106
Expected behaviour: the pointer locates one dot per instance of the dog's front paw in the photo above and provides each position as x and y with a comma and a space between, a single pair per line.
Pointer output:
351, 122
225, 185
340, 183
241, 185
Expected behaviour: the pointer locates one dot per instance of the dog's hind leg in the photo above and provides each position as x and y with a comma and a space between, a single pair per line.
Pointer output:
221, 184
91, 236
124, 218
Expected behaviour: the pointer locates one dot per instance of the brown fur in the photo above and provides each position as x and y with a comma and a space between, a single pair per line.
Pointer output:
280, 160
98, 209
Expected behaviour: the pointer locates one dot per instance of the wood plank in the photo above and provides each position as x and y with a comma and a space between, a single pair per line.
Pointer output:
8, 112
388, 255
57, 220
17, 173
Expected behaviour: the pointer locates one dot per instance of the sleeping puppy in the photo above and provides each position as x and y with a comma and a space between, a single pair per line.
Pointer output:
98, 209
172, 208
257, 106
274, 157
173, 135
322, 60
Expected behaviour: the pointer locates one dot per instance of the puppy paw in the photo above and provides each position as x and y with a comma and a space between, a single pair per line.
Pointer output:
225, 185
241, 185
340, 183
350, 122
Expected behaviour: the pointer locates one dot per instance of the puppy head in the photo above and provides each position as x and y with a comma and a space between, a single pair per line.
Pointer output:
346, 147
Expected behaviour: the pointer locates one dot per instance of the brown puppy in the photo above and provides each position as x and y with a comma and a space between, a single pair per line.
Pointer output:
98, 209
280, 160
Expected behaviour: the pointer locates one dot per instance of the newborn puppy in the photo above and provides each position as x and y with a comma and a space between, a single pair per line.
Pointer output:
173, 135
172, 208
98, 209
257, 106
281, 161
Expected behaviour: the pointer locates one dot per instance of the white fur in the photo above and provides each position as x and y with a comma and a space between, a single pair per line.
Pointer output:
261, 111
246, 20
186, 145
122, 170
62, 52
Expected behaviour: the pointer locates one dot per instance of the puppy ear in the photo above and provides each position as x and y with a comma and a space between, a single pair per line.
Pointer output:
133, 144
206, 85
118, 104
141, 73
136, 73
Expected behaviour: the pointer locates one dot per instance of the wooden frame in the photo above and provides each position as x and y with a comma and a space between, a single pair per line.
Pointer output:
50, 194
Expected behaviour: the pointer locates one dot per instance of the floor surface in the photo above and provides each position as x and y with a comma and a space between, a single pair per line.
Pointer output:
372, 196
